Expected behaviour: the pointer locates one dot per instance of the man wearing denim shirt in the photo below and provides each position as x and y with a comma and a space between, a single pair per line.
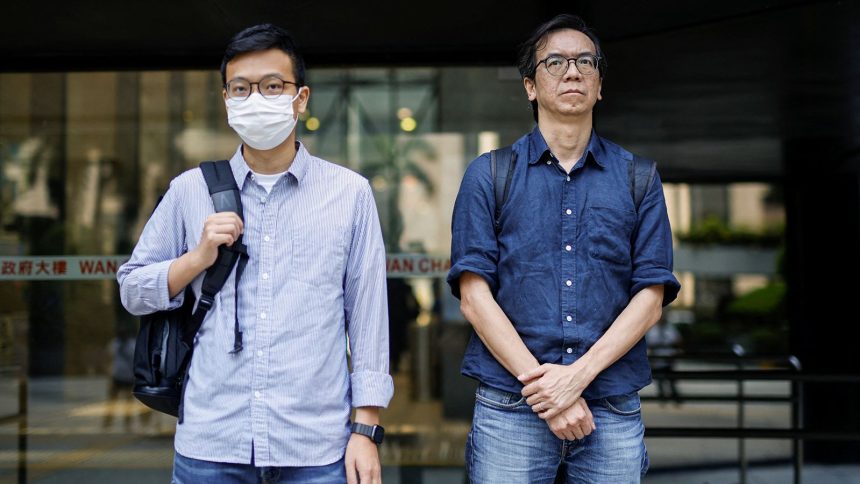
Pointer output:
276, 407
561, 298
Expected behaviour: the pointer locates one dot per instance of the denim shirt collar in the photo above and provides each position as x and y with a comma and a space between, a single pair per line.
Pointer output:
538, 150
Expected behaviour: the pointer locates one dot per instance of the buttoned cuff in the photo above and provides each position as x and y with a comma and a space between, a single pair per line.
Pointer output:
147, 290
371, 389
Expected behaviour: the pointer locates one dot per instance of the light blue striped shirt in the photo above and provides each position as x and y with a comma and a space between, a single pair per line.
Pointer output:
316, 275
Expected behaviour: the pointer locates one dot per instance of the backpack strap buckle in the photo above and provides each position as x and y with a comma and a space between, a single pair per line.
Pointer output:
205, 303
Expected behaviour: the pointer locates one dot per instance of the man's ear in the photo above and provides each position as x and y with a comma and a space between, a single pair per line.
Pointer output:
531, 89
304, 97
600, 90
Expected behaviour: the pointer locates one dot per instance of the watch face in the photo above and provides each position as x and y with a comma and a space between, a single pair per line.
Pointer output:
378, 434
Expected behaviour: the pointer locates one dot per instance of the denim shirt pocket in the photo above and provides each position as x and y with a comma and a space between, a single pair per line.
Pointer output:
609, 231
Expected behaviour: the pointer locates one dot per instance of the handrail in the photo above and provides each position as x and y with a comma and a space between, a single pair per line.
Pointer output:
790, 371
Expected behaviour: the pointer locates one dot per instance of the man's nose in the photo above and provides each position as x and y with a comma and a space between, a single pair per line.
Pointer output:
572, 72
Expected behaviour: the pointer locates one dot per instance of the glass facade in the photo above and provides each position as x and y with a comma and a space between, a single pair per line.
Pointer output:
85, 156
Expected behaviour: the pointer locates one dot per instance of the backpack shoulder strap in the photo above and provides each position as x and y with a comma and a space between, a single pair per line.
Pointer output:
641, 174
226, 198
222, 186
502, 163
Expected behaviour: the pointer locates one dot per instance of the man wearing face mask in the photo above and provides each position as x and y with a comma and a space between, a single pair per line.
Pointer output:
274, 405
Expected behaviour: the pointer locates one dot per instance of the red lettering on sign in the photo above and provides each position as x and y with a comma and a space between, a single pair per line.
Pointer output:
423, 265
59, 267
439, 265
86, 266
8, 267
111, 266
42, 268
25, 267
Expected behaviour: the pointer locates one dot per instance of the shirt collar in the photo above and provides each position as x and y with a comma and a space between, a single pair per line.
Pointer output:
539, 150
298, 169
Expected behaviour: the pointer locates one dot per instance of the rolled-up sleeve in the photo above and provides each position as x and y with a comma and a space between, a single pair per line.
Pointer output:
143, 279
652, 246
366, 307
473, 237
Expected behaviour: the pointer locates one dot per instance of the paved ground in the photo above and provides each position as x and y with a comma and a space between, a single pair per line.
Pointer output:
75, 435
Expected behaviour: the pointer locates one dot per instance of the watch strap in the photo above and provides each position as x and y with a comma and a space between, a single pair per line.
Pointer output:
373, 432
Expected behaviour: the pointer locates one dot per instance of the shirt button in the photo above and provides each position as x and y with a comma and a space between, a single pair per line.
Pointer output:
568, 211
259, 352
570, 318
568, 178
257, 395
568, 248
263, 315
266, 238
569, 283
569, 350
548, 162
266, 274
262, 199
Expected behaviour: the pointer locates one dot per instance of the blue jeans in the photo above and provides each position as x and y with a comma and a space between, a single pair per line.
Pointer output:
192, 471
509, 443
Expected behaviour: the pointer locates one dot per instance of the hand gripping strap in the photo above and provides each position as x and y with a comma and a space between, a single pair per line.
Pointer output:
226, 198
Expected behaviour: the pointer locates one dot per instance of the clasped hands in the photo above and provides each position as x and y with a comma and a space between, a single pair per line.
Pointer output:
553, 392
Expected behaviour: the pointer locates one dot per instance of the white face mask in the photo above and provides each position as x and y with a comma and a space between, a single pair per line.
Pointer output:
262, 123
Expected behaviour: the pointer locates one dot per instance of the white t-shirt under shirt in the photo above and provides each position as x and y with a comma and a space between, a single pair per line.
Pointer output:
267, 181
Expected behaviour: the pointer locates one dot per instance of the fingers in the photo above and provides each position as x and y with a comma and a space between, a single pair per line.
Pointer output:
530, 389
351, 474
225, 217
578, 431
369, 474
222, 228
588, 418
533, 373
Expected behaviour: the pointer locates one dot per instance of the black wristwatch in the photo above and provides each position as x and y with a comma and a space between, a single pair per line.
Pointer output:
373, 432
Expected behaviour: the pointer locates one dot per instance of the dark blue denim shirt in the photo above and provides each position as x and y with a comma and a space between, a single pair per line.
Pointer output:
571, 253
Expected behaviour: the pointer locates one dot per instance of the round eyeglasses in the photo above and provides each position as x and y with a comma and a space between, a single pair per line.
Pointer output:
557, 65
269, 87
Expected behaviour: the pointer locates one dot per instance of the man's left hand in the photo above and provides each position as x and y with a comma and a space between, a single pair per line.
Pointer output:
362, 461
551, 388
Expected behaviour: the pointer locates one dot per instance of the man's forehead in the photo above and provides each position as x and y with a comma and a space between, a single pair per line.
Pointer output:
260, 63
567, 41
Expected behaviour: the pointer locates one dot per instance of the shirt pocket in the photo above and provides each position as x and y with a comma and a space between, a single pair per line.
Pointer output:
319, 252
609, 231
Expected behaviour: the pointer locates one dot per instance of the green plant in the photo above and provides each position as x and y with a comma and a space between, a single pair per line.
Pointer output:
712, 230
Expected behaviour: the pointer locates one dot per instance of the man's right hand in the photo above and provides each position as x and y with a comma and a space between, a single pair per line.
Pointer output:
219, 229
573, 423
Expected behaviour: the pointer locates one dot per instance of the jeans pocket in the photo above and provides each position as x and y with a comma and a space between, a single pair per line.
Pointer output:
499, 399
628, 404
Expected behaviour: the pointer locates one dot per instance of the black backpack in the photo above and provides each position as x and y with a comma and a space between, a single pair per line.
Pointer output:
165, 341
640, 172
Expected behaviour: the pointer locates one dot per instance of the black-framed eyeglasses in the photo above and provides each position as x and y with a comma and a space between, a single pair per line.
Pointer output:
557, 65
269, 87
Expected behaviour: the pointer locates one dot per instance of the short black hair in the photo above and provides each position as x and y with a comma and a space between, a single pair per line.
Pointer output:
264, 37
526, 61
